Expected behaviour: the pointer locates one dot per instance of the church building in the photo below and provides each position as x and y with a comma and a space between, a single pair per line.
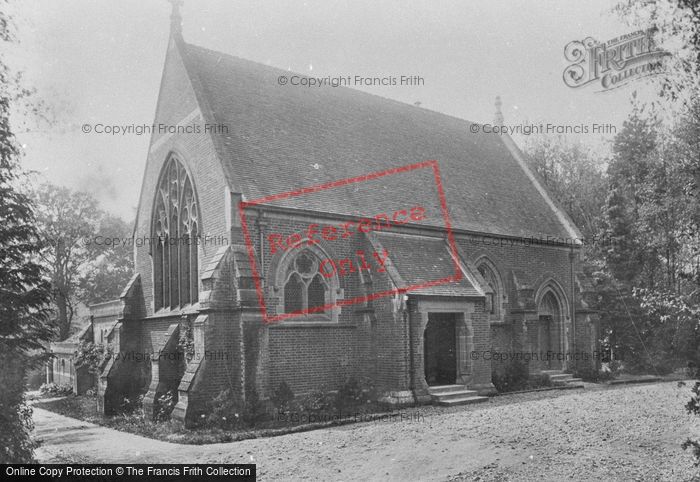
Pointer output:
310, 236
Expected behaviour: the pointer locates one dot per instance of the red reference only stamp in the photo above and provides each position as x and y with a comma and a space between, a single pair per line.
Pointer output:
347, 231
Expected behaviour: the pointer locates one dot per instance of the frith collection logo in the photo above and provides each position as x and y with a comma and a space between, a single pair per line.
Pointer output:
613, 63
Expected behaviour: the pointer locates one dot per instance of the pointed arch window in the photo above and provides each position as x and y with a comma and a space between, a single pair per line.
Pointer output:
494, 299
176, 230
304, 288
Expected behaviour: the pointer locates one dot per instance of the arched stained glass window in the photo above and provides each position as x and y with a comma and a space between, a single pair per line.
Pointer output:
305, 288
176, 229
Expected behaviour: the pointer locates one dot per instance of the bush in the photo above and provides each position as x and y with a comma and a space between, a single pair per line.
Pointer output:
514, 378
255, 410
319, 400
693, 407
590, 374
355, 394
225, 412
92, 356
131, 405
55, 390
282, 397
16, 445
692, 370
164, 405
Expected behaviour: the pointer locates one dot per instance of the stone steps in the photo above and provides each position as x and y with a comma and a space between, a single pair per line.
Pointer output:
559, 378
450, 395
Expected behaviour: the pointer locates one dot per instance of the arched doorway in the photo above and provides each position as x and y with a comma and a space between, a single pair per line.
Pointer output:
440, 349
546, 336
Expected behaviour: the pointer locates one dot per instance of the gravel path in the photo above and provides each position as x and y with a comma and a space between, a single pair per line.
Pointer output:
629, 432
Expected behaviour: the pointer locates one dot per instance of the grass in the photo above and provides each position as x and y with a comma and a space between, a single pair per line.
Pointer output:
85, 408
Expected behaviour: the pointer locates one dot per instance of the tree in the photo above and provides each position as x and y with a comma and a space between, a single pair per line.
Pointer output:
627, 172
86, 251
111, 262
67, 222
24, 293
575, 176
676, 24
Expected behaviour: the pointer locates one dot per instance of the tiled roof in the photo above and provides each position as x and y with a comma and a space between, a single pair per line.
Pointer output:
417, 260
284, 137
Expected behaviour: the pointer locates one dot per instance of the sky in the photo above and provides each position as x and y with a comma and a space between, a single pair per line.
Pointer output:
100, 61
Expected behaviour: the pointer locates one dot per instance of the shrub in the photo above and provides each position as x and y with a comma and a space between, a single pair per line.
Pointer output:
255, 411
225, 412
16, 445
615, 367
319, 400
164, 405
282, 397
355, 393
693, 407
131, 405
590, 374
92, 356
185, 343
55, 390
514, 378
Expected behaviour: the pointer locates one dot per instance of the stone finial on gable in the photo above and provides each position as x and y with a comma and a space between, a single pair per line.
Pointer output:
498, 116
176, 17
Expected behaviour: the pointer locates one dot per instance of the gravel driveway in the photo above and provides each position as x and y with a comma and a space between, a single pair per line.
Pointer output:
628, 432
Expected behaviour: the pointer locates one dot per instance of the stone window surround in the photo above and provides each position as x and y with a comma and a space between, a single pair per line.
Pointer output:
335, 292
160, 306
500, 298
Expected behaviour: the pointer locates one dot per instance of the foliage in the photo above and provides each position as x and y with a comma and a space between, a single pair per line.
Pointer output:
514, 378
356, 393
185, 343
164, 405
84, 262
676, 329
590, 374
320, 400
225, 412
131, 405
111, 263
693, 408
24, 292
16, 424
282, 397
255, 409
55, 390
230, 413
676, 24
92, 356
574, 176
